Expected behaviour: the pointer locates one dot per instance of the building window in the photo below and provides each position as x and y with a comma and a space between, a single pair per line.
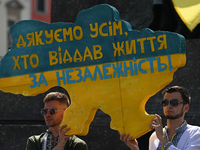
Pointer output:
10, 40
11, 22
41, 6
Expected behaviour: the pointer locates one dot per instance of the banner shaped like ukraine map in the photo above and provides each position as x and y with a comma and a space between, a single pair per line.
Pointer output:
99, 60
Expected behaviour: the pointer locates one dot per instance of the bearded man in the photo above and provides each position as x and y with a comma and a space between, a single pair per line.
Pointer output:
177, 134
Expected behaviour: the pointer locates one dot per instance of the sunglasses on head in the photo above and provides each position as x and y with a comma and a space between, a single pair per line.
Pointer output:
52, 111
173, 103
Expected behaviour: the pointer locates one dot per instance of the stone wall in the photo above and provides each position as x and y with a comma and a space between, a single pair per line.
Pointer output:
20, 116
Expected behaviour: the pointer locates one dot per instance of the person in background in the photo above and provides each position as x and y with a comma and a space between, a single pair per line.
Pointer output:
55, 103
177, 134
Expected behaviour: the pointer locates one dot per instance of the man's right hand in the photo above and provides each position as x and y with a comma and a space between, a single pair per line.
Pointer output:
156, 124
131, 143
62, 137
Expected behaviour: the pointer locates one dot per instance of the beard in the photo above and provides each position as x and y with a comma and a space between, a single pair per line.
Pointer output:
55, 122
174, 117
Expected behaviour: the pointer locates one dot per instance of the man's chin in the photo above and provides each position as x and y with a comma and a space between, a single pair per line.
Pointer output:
173, 117
50, 124
169, 117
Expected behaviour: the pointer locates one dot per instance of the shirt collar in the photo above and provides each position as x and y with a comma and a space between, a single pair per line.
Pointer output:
178, 129
182, 127
50, 132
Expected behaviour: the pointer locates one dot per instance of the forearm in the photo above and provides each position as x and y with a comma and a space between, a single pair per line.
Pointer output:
163, 141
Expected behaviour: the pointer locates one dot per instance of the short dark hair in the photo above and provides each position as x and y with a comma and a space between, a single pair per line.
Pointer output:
183, 91
62, 98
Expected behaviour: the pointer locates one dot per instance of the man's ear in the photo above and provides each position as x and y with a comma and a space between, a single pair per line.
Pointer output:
186, 108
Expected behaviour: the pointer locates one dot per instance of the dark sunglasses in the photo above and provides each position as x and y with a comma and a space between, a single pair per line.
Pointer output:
52, 111
173, 103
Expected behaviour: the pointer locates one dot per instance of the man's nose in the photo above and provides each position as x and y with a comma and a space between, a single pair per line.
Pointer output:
48, 113
169, 105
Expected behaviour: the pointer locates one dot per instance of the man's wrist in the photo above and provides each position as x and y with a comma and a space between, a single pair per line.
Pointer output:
163, 141
57, 147
167, 145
